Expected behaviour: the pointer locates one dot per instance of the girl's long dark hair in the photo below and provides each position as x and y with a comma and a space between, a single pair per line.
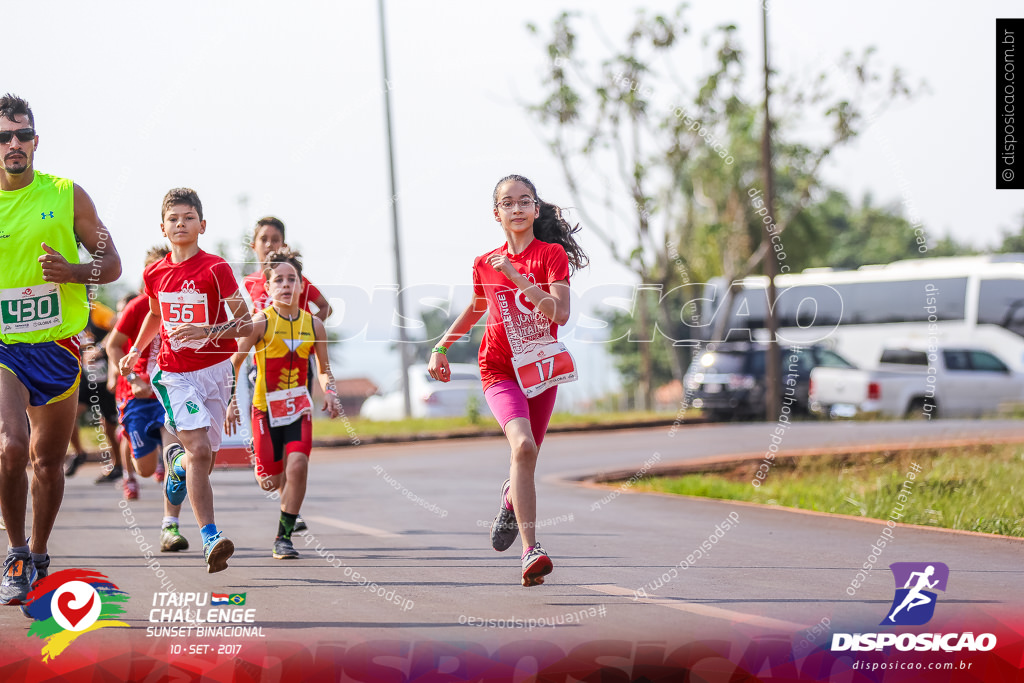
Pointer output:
551, 227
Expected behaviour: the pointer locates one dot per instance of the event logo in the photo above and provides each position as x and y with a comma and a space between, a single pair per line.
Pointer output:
914, 603
70, 603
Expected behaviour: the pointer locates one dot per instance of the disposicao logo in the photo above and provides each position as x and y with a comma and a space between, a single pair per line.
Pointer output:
914, 605
70, 603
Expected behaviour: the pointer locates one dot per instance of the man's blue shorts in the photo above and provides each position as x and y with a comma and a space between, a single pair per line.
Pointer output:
50, 370
142, 419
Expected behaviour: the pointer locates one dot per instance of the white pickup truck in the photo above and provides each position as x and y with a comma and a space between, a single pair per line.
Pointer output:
911, 381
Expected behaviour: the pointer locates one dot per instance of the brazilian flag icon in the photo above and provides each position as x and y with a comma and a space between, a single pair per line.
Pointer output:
237, 598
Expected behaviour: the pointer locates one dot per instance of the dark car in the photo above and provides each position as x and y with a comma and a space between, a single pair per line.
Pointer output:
727, 381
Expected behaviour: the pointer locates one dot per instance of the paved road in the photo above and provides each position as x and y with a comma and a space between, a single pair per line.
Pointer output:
773, 571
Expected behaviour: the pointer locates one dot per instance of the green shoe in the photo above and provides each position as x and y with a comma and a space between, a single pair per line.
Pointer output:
171, 539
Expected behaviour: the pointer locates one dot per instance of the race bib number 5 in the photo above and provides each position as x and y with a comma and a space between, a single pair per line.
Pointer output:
30, 309
287, 405
179, 308
544, 367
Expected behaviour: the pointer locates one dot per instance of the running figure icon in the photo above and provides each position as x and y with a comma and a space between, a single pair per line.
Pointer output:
916, 597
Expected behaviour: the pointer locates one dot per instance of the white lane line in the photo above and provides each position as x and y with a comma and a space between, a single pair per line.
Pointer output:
703, 610
351, 526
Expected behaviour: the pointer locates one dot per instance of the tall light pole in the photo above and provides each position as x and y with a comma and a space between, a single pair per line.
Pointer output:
773, 362
403, 342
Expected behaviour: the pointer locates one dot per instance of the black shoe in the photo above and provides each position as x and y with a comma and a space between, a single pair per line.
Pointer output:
300, 524
116, 474
72, 465
284, 550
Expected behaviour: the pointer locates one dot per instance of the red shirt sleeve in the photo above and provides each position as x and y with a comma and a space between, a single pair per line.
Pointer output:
557, 265
226, 283
478, 288
312, 293
147, 286
130, 321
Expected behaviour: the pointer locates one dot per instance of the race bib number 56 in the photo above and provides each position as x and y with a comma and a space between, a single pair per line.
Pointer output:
543, 368
30, 309
179, 308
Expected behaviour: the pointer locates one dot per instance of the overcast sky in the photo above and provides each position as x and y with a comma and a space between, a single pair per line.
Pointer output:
284, 105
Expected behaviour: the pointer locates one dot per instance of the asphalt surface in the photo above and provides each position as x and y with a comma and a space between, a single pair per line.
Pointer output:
413, 519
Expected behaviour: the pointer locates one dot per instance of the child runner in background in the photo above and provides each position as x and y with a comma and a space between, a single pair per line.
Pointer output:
269, 237
140, 412
285, 336
525, 285
94, 398
187, 292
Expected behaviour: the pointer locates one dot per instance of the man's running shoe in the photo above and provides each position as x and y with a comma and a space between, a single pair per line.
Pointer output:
217, 550
300, 524
536, 565
171, 539
131, 489
42, 571
3, 524
72, 464
504, 528
43, 568
284, 550
159, 473
174, 485
19, 575
115, 474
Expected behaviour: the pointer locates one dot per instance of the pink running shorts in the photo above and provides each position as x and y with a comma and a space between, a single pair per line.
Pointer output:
507, 402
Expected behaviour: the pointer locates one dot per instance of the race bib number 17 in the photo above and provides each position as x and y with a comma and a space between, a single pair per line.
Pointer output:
543, 368
30, 309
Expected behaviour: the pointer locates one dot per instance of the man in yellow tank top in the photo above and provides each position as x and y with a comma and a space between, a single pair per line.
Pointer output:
284, 334
43, 306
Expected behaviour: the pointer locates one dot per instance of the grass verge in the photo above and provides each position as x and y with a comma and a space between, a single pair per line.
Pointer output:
325, 429
977, 488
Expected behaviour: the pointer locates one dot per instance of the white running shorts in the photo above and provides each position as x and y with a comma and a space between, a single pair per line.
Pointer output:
196, 400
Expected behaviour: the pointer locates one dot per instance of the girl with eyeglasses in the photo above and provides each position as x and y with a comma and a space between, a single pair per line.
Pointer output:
524, 284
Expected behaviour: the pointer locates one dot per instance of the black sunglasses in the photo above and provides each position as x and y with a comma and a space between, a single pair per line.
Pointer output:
24, 135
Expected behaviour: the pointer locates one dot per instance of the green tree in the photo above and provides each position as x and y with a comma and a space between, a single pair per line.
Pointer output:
661, 169
1013, 242
870, 233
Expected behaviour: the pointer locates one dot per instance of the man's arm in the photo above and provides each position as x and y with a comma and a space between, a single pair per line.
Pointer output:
105, 266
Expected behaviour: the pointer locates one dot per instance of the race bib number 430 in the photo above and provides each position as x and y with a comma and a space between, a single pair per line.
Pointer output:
179, 308
543, 368
30, 309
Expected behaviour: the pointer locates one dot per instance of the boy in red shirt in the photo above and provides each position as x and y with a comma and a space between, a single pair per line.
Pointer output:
187, 293
139, 411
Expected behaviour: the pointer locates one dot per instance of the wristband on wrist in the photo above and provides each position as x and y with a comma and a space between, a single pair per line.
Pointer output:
134, 349
443, 350
331, 391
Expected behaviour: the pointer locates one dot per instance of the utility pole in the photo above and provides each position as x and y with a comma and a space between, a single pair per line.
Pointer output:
403, 341
773, 362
